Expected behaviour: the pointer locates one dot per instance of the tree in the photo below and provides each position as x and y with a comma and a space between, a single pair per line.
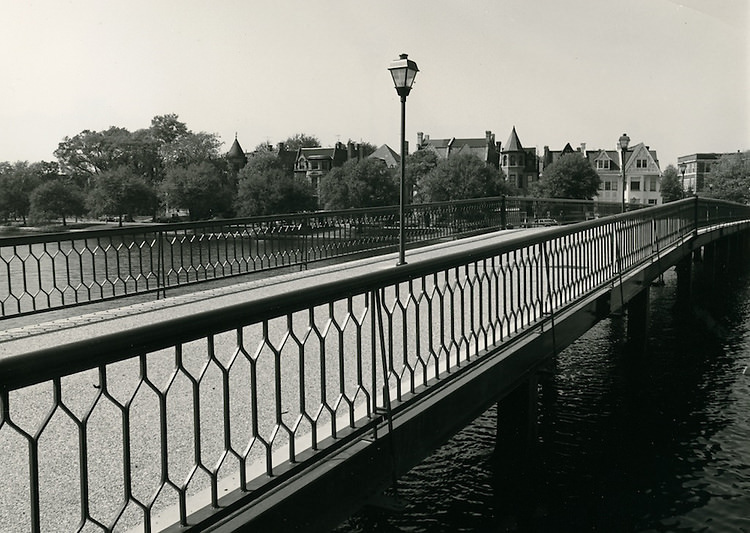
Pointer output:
199, 188
301, 140
57, 199
118, 192
460, 177
17, 181
190, 149
272, 192
168, 128
356, 184
418, 165
671, 188
571, 176
92, 152
730, 178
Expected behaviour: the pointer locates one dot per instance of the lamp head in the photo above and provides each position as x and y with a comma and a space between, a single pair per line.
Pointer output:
624, 141
403, 71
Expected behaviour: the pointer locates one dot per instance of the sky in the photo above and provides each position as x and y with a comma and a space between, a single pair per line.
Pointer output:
672, 74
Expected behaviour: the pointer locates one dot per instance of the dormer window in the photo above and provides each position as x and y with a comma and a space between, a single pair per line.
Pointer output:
602, 164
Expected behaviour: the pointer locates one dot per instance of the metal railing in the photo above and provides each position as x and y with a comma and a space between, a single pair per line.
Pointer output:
49, 271
200, 415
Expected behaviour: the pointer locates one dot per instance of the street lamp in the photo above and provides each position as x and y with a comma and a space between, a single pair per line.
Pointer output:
683, 167
624, 141
403, 71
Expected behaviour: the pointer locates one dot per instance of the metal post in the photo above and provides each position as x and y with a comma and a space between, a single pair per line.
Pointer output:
402, 196
624, 182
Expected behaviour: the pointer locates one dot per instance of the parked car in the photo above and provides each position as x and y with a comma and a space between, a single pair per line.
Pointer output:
540, 222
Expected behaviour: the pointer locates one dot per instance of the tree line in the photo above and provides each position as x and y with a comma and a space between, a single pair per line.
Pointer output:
155, 170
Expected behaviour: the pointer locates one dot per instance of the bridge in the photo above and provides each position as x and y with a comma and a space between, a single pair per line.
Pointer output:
286, 403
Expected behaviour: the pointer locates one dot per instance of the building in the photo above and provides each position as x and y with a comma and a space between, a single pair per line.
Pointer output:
607, 165
485, 148
386, 154
642, 172
314, 163
694, 169
520, 165
642, 176
236, 156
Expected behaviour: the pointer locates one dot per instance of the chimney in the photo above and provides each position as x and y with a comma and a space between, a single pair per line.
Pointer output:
280, 147
349, 150
583, 148
488, 136
420, 139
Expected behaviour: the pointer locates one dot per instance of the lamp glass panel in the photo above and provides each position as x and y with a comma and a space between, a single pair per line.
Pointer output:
399, 76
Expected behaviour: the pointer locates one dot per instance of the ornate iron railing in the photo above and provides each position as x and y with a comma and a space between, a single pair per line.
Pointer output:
196, 416
42, 272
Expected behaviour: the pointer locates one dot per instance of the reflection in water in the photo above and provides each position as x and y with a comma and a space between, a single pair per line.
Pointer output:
654, 440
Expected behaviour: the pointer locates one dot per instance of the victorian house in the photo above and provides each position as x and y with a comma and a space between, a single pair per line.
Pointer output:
485, 148
519, 164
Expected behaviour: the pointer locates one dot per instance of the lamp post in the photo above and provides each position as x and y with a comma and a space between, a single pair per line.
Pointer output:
683, 167
623, 141
403, 71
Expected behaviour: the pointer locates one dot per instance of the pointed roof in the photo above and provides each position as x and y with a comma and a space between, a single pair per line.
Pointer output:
514, 143
236, 152
386, 154
641, 151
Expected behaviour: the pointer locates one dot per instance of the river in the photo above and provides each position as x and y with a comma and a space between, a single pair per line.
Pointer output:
650, 440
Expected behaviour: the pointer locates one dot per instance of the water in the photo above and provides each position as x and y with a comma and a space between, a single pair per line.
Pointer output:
654, 441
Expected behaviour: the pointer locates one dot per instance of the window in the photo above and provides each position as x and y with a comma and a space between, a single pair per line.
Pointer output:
602, 164
652, 185
512, 160
641, 163
652, 201
635, 185
607, 185
505, 160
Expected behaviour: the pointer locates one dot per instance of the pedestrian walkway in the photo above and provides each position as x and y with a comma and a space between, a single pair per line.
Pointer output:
35, 332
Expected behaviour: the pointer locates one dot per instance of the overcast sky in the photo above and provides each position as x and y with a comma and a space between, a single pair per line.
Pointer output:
671, 74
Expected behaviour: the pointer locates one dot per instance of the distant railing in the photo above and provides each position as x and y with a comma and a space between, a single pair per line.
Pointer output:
202, 415
48, 271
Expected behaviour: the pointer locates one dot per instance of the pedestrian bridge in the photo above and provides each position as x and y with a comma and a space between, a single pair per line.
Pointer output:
286, 403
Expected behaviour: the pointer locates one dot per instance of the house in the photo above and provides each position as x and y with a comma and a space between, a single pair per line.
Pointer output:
236, 156
551, 156
483, 147
314, 163
642, 176
519, 164
386, 154
607, 165
642, 172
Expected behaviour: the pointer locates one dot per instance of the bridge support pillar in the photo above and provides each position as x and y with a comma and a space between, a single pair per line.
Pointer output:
515, 446
639, 315
684, 274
